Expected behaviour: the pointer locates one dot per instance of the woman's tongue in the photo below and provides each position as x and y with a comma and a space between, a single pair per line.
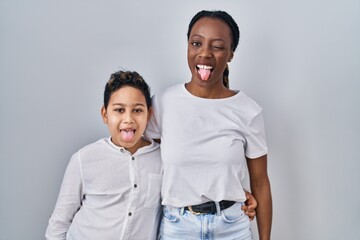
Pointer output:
127, 135
204, 73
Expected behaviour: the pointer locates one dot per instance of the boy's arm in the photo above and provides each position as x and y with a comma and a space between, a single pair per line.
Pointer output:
260, 187
68, 202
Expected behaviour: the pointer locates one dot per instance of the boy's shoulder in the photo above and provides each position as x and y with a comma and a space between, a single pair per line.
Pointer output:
93, 147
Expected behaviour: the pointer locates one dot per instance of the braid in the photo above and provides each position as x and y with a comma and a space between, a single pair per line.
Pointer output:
224, 16
226, 76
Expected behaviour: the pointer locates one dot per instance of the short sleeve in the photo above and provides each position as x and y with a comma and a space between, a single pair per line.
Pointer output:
153, 129
256, 140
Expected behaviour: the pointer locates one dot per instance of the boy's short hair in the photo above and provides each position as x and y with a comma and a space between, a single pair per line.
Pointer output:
121, 79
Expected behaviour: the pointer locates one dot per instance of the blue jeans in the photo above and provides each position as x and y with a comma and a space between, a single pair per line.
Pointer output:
229, 224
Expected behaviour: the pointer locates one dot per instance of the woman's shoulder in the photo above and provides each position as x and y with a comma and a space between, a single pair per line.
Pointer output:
177, 88
247, 103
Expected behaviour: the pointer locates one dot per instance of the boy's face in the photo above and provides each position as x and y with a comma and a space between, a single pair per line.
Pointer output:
126, 117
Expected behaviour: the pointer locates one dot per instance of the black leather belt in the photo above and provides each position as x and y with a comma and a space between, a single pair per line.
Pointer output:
209, 207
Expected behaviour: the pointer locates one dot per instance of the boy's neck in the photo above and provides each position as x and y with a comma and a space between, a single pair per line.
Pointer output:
141, 143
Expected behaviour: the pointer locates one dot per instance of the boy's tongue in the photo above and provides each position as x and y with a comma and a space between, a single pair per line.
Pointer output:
127, 135
204, 73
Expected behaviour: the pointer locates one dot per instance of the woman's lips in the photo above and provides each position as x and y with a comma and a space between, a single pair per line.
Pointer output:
204, 71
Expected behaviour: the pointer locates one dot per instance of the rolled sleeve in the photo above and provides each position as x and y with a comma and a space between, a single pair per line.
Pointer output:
68, 202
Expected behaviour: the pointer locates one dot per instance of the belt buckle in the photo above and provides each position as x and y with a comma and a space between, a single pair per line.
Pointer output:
192, 211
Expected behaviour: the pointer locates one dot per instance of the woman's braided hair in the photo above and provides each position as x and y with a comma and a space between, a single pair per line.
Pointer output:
235, 32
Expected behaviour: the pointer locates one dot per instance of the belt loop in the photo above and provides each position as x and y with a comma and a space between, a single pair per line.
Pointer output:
218, 210
182, 210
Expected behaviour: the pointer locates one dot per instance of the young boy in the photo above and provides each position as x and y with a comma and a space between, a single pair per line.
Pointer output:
111, 188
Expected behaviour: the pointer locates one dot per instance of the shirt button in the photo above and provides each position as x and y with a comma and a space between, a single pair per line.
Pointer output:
129, 213
121, 150
132, 158
135, 186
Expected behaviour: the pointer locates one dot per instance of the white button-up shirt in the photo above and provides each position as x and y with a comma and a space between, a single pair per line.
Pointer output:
109, 194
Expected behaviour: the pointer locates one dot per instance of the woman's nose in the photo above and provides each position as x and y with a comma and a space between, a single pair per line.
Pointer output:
205, 51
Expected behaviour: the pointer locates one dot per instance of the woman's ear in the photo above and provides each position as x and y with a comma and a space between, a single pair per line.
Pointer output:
231, 56
104, 115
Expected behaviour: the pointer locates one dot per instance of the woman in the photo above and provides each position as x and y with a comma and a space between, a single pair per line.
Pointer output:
208, 133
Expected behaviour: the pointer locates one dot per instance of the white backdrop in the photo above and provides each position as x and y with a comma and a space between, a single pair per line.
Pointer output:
300, 60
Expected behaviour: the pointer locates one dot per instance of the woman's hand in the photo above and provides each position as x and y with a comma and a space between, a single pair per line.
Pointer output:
250, 205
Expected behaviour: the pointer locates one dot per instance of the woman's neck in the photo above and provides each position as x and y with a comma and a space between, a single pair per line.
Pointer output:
212, 92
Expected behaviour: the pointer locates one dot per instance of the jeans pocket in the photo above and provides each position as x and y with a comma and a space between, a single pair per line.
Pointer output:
170, 216
233, 213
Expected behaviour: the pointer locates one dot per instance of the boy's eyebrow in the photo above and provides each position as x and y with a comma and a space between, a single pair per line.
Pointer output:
122, 104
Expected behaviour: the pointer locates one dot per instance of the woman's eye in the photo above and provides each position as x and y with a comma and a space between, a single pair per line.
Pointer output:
218, 47
195, 44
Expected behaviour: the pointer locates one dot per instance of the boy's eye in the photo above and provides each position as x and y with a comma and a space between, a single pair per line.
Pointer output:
120, 110
138, 110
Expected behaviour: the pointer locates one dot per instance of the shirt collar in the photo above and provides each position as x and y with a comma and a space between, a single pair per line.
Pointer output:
153, 145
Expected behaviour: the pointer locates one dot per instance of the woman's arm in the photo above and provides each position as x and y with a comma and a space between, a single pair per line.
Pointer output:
260, 187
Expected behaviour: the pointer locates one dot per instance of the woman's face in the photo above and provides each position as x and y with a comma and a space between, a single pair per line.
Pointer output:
209, 50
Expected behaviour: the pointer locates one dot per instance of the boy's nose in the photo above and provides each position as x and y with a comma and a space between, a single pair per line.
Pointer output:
128, 118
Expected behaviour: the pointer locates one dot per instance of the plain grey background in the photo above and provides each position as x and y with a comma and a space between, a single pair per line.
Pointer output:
300, 60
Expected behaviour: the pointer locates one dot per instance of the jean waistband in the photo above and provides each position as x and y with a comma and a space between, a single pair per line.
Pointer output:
209, 207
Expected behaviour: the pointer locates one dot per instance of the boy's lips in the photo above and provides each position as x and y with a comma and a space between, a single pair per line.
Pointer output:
127, 134
204, 71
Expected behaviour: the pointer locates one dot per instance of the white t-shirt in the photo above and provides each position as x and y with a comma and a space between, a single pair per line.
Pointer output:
107, 193
204, 145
